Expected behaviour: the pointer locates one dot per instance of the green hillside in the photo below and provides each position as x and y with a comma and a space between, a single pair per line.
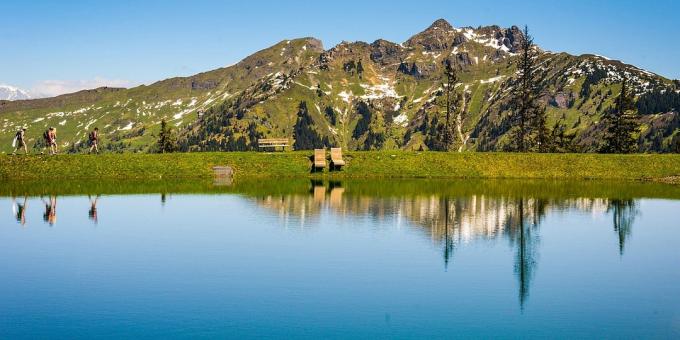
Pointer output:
359, 96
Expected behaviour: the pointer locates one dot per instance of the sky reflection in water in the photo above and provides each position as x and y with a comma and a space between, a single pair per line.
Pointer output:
334, 261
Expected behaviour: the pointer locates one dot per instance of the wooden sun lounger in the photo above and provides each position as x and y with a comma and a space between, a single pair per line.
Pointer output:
336, 158
319, 159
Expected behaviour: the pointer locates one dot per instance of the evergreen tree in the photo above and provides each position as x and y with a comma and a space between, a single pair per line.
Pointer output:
253, 136
331, 115
364, 121
166, 139
658, 101
525, 95
376, 136
591, 80
415, 71
448, 137
675, 144
621, 124
434, 131
306, 137
440, 133
403, 68
543, 134
561, 141
360, 69
349, 67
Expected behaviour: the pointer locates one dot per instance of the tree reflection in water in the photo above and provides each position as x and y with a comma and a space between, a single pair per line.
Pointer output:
623, 213
452, 221
449, 220
522, 229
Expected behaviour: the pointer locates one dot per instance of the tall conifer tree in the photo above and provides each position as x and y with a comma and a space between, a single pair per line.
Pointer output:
621, 123
525, 94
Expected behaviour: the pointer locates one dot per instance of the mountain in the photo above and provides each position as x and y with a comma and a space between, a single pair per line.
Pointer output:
12, 93
358, 95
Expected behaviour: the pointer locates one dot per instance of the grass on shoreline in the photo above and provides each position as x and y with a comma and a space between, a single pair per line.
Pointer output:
369, 164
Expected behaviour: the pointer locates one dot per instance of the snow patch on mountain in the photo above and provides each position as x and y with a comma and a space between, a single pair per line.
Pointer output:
383, 90
491, 80
346, 96
401, 119
492, 42
127, 127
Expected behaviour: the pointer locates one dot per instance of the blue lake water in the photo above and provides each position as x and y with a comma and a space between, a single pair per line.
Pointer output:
340, 261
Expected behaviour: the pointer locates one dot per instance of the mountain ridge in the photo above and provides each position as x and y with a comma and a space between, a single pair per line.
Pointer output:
386, 102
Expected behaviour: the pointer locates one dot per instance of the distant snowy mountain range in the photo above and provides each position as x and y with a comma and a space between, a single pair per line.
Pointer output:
8, 92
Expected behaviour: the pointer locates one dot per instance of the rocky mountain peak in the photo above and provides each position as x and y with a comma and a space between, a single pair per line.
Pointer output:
441, 24
436, 37
313, 44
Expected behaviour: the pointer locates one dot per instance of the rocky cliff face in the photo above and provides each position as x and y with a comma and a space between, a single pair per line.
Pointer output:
358, 95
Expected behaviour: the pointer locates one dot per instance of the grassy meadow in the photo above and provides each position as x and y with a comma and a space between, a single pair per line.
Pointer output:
370, 164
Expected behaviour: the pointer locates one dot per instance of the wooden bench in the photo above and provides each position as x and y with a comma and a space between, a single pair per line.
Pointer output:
319, 159
336, 158
273, 143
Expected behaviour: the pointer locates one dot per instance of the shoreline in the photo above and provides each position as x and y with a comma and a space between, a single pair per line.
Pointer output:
258, 187
664, 168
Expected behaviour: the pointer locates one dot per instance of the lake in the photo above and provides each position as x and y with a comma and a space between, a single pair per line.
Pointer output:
350, 259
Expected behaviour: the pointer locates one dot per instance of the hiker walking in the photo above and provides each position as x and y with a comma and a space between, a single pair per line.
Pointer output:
94, 140
50, 138
52, 133
20, 141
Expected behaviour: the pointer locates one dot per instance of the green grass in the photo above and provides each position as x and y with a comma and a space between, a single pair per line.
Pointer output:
257, 187
374, 164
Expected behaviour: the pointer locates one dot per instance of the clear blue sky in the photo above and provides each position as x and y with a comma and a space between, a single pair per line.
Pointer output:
81, 43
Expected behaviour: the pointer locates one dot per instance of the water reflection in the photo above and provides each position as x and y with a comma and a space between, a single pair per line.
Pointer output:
92, 213
448, 221
623, 216
451, 222
19, 210
50, 215
523, 232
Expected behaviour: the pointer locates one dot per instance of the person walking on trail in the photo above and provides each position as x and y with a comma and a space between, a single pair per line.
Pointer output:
50, 138
52, 133
20, 141
94, 140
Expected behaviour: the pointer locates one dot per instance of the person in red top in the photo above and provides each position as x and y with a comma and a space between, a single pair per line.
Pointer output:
50, 137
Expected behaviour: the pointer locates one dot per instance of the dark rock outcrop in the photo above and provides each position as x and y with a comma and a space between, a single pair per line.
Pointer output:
385, 53
438, 36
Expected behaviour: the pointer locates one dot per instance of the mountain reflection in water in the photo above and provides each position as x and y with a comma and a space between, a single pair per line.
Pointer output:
364, 258
452, 221
448, 220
